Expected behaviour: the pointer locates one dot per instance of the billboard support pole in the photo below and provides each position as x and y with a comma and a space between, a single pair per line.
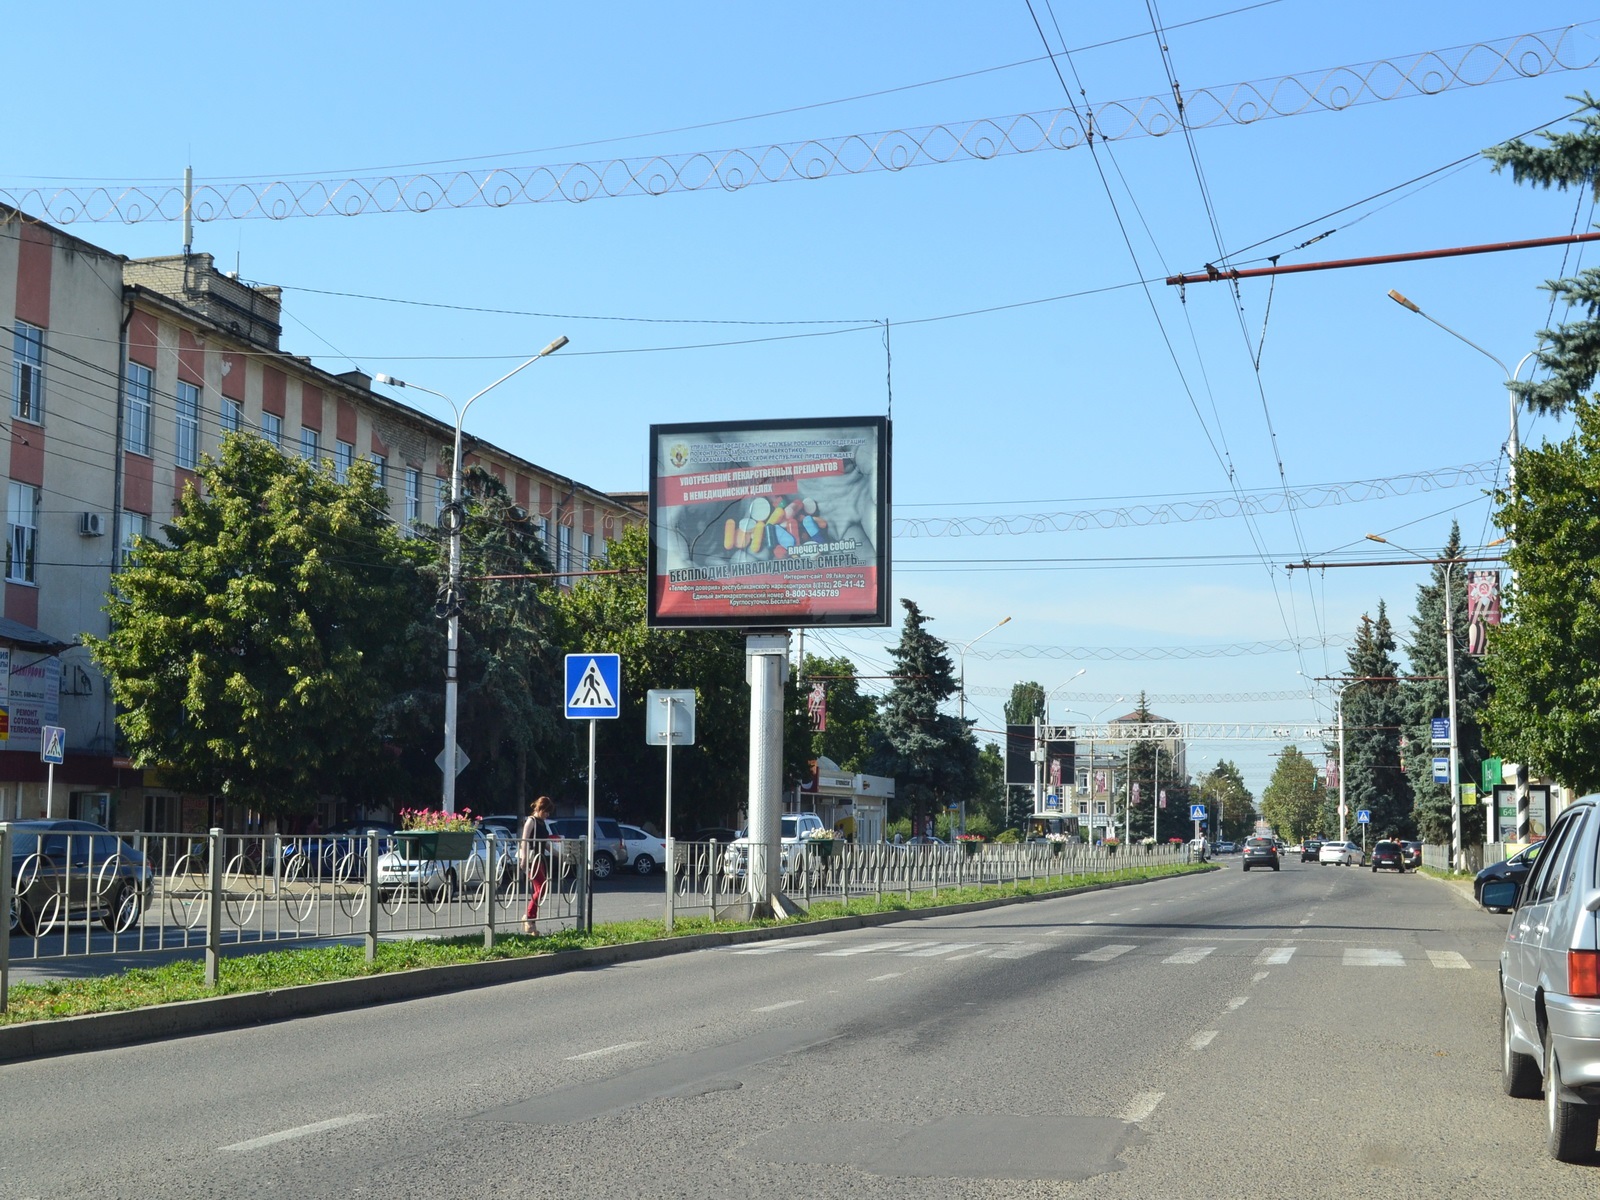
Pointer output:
766, 665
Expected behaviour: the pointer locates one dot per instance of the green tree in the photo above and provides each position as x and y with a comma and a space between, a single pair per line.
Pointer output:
1374, 707
989, 793
253, 652
1025, 704
1570, 353
1291, 804
1544, 711
606, 613
930, 755
851, 713
1222, 790
1428, 696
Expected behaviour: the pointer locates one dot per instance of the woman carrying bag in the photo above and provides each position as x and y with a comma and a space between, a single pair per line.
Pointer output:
535, 834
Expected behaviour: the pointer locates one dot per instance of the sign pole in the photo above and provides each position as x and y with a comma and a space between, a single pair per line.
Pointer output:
670, 867
588, 890
50, 791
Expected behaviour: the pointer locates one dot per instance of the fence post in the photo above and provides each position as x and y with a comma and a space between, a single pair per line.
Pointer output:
491, 889
5, 907
372, 895
877, 874
213, 906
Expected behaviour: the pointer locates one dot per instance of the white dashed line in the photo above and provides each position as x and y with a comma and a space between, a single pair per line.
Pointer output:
272, 1139
777, 1006
1373, 958
604, 1050
1276, 957
1259, 976
780, 947
1188, 957
1140, 1107
867, 949
1237, 1003
1201, 1040
1019, 950
1448, 960
1104, 954
974, 954
890, 975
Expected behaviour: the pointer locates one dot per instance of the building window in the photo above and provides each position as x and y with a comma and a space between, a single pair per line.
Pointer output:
272, 429
308, 443
588, 551
22, 516
134, 526
564, 548
232, 416
27, 373
543, 526
380, 469
413, 496
136, 438
188, 425
344, 454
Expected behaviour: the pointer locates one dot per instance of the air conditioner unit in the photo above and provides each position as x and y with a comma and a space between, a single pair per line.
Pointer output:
91, 525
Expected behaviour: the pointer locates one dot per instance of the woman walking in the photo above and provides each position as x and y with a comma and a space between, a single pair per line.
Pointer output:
535, 833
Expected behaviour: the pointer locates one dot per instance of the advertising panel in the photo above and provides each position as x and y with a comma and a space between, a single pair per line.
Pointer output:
770, 523
30, 698
1483, 608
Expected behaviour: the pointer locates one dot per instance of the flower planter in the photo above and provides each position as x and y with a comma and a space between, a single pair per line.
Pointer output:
1056, 848
971, 848
822, 847
1111, 847
427, 845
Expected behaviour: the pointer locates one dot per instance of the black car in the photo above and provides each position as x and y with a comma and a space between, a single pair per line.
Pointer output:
1515, 869
1390, 855
1260, 852
1412, 851
1310, 849
63, 871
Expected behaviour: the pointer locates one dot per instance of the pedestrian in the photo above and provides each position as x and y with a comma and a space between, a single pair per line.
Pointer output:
535, 833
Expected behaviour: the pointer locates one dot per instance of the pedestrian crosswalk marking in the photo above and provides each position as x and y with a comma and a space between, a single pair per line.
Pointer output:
1018, 950
1275, 957
869, 948
936, 949
780, 947
1361, 957
1189, 957
1104, 954
1448, 960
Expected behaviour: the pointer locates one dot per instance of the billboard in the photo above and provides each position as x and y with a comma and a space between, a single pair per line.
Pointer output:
769, 523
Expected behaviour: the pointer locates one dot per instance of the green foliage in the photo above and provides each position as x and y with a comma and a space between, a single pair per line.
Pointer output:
1545, 708
1291, 804
852, 714
1570, 353
929, 754
1026, 703
1223, 789
989, 793
1375, 707
252, 653
1008, 837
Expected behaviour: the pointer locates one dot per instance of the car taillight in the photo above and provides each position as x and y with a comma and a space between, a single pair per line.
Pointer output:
1583, 973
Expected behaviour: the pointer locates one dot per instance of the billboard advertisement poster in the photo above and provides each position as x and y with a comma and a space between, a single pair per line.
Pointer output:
1483, 608
779, 523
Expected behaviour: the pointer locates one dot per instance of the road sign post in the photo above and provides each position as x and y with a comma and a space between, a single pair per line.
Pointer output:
594, 694
52, 750
669, 720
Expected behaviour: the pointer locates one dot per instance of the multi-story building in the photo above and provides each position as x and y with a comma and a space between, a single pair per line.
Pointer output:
121, 374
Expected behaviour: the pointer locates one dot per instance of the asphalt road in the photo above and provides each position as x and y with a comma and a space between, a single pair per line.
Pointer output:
1320, 1031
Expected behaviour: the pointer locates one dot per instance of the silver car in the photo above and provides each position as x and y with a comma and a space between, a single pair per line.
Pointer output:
1550, 982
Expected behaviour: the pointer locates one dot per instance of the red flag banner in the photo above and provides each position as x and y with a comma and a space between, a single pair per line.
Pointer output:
817, 707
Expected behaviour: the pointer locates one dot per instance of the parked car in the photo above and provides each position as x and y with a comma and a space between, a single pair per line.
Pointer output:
1344, 853
646, 852
795, 829
1389, 856
714, 833
1550, 981
1515, 868
1260, 852
340, 852
1412, 852
610, 850
67, 870
1227, 848
436, 878
1310, 850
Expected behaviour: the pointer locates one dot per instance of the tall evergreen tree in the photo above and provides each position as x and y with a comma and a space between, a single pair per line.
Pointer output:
1374, 712
1292, 802
931, 757
1429, 696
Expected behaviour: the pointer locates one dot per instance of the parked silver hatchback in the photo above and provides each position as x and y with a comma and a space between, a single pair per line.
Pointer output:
1550, 981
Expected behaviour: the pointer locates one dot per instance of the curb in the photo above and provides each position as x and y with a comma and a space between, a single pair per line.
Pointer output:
106, 1031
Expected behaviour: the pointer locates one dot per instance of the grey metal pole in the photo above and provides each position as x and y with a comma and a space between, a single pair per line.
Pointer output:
588, 867
766, 658
372, 895
1450, 672
5, 907
670, 868
213, 906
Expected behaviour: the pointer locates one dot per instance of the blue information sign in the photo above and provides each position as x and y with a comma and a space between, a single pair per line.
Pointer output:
1441, 731
1441, 770
594, 687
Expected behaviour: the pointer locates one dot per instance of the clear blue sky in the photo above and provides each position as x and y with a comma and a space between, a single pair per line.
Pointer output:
1075, 405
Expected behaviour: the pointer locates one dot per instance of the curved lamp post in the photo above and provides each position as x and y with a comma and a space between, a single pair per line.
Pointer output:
963, 653
452, 596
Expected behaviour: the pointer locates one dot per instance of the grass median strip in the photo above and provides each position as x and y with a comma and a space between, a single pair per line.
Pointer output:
142, 987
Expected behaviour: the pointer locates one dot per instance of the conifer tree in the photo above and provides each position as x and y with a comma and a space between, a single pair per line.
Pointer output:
1373, 705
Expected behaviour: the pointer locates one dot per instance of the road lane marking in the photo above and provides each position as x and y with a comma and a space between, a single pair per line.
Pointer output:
604, 1050
1354, 957
1276, 957
1448, 960
1019, 950
1305, 920
939, 948
870, 948
1140, 1107
780, 947
1184, 958
1237, 1003
1104, 954
1201, 1040
777, 1006
272, 1139
890, 975
973, 954
1259, 976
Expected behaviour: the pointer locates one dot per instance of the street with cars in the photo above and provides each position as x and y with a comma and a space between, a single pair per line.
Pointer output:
1156, 1039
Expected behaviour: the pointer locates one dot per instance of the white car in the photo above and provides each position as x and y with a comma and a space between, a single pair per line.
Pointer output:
797, 827
646, 852
438, 878
1345, 853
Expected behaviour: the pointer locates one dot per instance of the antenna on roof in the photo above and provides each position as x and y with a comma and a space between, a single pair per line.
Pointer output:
188, 210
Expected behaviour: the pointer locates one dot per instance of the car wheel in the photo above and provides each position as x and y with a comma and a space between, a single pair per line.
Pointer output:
26, 920
1519, 1073
1572, 1127
1247, 868
123, 910
644, 865
1274, 866
604, 864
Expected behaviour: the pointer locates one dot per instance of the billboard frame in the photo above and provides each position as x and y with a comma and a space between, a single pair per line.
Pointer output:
774, 617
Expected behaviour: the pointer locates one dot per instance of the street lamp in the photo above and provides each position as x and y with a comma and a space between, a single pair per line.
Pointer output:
452, 596
1092, 722
963, 653
1450, 675
1051, 694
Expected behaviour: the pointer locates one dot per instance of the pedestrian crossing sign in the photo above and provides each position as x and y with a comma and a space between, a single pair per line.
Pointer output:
53, 744
594, 687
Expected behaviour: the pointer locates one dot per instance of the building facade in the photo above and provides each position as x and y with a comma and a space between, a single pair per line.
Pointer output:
121, 375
